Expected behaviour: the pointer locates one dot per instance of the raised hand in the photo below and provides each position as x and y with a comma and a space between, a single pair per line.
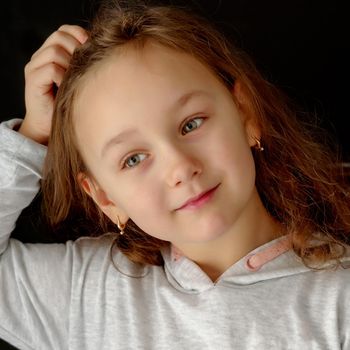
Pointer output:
43, 74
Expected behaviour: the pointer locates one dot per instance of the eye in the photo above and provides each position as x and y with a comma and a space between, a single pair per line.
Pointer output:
192, 124
133, 160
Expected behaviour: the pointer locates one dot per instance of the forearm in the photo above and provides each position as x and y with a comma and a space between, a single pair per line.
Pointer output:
21, 161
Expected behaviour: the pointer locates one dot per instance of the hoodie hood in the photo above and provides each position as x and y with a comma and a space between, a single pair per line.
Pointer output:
274, 259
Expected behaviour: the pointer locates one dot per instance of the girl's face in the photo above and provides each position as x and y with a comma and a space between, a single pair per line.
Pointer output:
156, 128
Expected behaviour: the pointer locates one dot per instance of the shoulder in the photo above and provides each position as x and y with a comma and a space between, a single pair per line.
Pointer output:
101, 253
336, 276
95, 241
93, 247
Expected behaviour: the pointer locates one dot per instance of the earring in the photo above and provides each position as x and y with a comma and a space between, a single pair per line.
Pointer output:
258, 144
120, 226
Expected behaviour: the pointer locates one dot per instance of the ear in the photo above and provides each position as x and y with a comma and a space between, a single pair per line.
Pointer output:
249, 121
101, 199
239, 94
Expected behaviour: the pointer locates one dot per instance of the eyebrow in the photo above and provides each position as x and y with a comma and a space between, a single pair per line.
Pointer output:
181, 101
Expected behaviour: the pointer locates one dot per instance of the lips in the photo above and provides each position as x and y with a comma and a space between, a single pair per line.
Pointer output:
199, 199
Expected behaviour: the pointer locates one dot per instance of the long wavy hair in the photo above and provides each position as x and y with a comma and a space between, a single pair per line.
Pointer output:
298, 177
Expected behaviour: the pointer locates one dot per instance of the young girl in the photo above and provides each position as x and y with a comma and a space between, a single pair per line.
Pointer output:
233, 223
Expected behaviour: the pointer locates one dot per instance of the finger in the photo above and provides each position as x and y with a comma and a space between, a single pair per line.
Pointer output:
58, 38
51, 54
44, 78
67, 36
79, 33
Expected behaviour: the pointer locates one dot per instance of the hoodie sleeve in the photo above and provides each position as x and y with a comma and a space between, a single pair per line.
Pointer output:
34, 305
21, 161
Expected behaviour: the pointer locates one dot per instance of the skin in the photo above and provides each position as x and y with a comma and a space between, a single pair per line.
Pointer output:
138, 89
45, 69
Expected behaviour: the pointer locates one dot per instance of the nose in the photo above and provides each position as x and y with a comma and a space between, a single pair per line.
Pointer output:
182, 166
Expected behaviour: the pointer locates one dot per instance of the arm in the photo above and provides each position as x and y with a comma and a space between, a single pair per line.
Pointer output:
34, 308
21, 161
35, 279
20, 168
22, 153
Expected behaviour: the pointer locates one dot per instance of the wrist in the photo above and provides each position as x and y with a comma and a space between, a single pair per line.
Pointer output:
31, 133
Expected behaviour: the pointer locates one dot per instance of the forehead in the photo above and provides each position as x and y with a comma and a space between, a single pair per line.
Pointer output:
132, 84
143, 74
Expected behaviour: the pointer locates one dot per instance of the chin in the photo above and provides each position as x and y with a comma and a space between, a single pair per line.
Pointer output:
209, 231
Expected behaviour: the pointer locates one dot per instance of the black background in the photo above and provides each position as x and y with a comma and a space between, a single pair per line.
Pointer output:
301, 46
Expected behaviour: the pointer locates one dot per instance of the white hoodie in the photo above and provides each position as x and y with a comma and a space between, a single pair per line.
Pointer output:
70, 296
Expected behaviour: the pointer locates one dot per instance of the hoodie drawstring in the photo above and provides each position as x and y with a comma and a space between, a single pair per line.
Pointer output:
255, 261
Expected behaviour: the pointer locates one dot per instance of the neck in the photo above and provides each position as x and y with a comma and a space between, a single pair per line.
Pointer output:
252, 229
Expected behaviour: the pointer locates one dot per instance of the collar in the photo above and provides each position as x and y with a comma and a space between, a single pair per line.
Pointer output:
186, 276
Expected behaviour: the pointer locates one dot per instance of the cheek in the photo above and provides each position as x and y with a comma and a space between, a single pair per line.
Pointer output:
236, 158
232, 143
140, 199
146, 205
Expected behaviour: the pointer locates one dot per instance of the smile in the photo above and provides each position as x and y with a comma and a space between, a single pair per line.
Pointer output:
200, 200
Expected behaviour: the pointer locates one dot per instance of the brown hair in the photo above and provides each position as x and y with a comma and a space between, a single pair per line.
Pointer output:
298, 178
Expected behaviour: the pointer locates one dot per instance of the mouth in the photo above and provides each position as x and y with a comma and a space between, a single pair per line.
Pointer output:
199, 200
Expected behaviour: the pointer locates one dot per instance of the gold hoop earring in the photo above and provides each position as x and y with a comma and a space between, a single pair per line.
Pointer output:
258, 144
120, 226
